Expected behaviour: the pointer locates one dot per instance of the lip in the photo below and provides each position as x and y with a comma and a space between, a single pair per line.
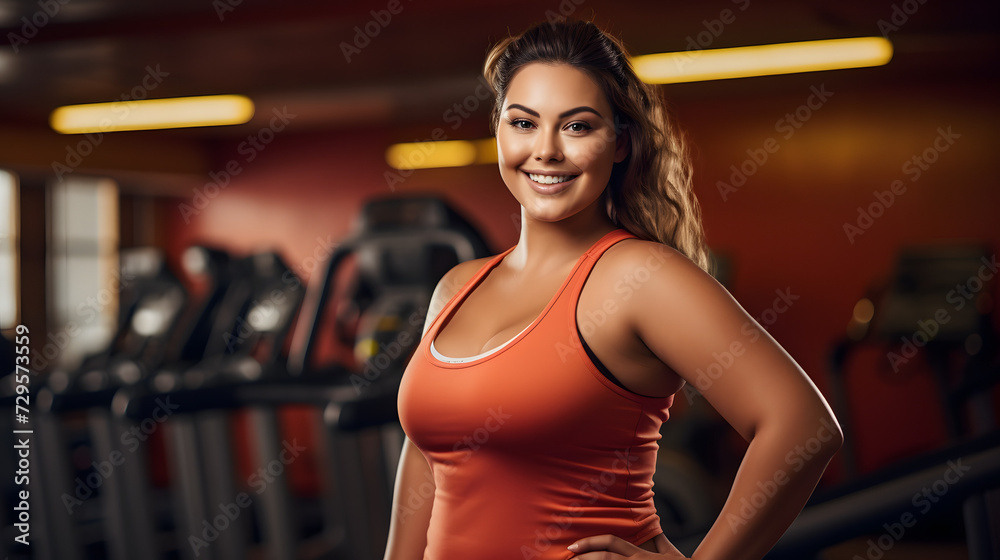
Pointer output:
548, 189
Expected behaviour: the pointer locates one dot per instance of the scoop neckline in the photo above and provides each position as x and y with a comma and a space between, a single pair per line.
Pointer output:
451, 309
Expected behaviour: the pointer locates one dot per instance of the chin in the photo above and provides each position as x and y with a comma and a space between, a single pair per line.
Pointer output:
550, 212
552, 219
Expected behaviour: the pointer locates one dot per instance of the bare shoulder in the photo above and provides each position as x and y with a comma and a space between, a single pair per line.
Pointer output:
450, 284
458, 276
656, 278
641, 261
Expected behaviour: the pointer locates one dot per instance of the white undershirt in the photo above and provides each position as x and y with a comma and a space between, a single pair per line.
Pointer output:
444, 358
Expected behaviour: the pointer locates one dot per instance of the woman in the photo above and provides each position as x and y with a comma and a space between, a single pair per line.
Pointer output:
533, 403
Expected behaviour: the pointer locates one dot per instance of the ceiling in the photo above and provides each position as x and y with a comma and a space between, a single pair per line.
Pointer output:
424, 59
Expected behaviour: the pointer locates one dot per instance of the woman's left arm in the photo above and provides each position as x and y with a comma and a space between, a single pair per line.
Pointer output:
695, 326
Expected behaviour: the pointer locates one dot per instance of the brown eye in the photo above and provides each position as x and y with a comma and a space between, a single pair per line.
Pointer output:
579, 127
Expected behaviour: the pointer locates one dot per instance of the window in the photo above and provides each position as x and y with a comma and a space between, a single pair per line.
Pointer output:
10, 313
83, 266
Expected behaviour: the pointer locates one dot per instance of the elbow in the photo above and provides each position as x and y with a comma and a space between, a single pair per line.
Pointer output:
830, 433
816, 434
812, 431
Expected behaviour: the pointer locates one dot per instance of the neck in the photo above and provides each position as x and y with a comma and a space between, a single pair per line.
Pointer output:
547, 246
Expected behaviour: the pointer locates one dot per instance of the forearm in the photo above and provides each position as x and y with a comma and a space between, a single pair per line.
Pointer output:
412, 499
776, 478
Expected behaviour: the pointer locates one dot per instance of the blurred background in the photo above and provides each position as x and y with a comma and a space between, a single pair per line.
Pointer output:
218, 316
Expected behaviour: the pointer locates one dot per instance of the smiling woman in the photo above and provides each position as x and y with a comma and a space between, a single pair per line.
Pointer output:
605, 190
544, 150
649, 192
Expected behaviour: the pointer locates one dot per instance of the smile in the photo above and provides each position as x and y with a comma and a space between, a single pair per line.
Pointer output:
550, 179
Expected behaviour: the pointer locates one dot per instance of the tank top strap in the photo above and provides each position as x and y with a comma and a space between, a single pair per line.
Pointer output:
603, 245
462, 292
608, 240
585, 263
590, 258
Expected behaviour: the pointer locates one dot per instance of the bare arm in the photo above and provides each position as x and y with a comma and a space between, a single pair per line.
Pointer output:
411, 512
410, 518
696, 327
687, 316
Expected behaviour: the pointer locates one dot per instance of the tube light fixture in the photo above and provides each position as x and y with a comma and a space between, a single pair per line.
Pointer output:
446, 153
151, 114
677, 67
762, 60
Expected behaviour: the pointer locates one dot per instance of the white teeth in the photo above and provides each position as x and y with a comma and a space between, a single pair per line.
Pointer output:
549, 179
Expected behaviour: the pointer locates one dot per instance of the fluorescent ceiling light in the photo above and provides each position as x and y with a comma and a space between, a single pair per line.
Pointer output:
150, 114
762, 60
447, 153
689, 66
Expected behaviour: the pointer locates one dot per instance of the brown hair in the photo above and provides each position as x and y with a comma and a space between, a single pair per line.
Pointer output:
650, 193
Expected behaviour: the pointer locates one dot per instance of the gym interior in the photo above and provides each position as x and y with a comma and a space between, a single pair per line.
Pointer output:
217, 317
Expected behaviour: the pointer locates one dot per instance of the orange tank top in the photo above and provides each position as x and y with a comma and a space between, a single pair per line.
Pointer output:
531, 447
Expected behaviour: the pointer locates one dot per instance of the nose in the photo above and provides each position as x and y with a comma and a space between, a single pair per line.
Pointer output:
548, 147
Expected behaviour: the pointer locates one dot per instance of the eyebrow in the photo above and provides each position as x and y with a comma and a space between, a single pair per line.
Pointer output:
563, 115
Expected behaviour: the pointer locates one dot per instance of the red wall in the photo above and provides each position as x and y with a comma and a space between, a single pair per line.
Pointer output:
783, 229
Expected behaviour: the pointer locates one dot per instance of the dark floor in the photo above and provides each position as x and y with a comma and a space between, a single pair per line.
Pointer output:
862, 549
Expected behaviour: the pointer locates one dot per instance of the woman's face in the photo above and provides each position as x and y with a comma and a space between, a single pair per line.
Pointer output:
556, 140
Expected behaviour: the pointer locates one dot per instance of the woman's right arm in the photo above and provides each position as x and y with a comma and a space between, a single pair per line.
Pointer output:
411, 511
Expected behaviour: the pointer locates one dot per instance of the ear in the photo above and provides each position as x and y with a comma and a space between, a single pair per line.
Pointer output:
623, 146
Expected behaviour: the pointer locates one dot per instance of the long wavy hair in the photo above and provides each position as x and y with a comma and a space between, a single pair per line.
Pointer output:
650, 193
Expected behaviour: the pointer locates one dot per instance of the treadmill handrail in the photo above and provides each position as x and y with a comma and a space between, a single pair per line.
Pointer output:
860, 512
